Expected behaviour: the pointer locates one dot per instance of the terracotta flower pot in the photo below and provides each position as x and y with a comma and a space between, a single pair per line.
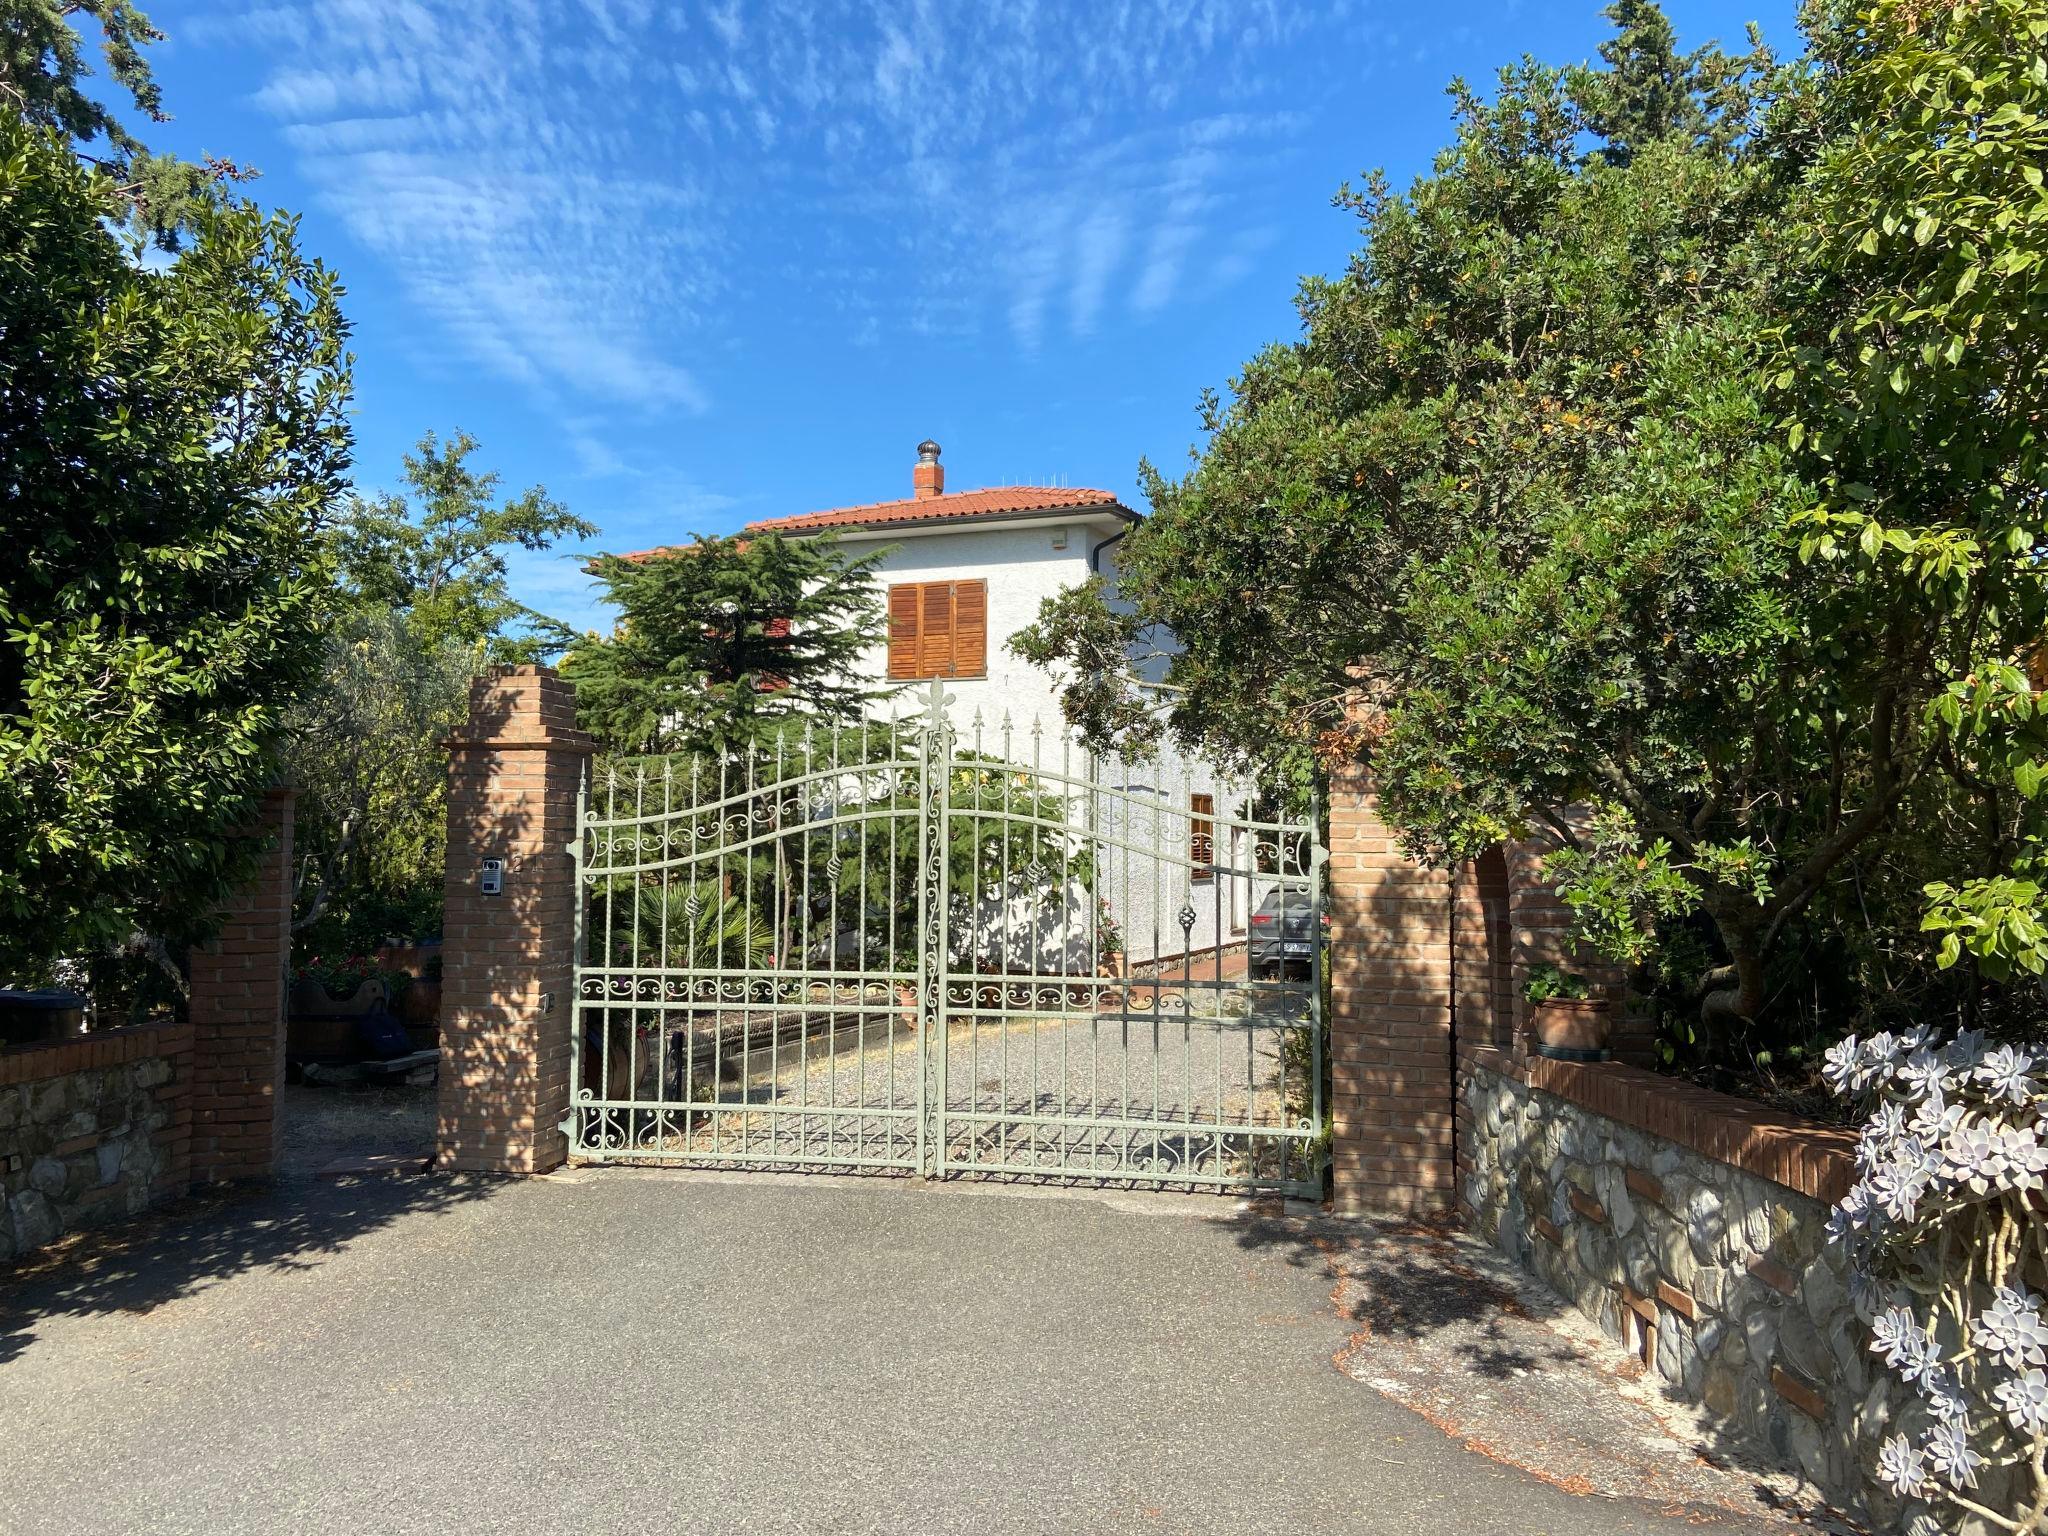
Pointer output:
1570, 1028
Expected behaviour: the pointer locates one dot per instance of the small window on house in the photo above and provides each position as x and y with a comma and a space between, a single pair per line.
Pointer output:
938, 629
1202, 836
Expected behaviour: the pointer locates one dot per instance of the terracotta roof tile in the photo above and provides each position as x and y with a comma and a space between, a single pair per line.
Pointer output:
994, 501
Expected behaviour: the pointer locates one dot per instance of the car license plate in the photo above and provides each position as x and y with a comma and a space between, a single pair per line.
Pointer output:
1293, 949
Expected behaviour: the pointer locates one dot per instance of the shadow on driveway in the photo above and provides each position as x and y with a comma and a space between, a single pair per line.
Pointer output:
182, 1248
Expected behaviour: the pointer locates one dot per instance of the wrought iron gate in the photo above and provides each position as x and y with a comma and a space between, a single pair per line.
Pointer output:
906, 945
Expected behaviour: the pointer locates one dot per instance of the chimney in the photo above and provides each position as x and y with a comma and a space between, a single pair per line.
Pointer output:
929, 478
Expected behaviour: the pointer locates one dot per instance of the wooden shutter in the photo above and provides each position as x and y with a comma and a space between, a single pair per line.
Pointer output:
970, 628
938, 629
903, 631
936, 651
1202, 836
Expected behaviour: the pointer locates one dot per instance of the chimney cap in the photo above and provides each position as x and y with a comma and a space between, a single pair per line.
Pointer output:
928, 451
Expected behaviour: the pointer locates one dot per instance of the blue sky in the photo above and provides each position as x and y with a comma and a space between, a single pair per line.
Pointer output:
691, 264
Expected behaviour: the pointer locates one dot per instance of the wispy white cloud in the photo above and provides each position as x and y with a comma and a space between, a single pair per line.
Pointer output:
496, 170
580, 195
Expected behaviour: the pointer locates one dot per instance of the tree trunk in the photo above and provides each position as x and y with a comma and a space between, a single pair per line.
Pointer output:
1735, 991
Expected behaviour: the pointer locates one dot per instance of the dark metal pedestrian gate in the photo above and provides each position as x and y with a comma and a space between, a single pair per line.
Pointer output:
976, 949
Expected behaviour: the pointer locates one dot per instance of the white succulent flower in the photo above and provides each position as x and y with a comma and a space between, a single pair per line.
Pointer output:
1966, 1050
1898, 1336
2025, 1401
2004, 1073
1897, 1188
1851, 1213
1950, 1123
1946, 1400
1842, 1064
1948, 1453
2011, 1330
1889, 1120
2023, 1158
1973, 1155
1925, 1074
1936, 1119
1901, 1464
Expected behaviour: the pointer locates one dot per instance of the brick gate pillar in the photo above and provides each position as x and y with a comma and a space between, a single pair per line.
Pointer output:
1391, 1074
513, 769
238, 1012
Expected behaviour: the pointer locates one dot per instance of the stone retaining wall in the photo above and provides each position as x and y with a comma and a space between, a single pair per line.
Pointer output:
1689, 1225
91, 1130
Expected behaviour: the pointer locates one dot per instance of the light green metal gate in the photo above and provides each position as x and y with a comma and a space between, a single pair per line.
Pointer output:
949, 949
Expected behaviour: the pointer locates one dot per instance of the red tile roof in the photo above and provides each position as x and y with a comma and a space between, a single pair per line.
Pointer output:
996, 501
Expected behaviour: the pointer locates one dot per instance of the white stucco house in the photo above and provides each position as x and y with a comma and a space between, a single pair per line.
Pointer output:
962, 572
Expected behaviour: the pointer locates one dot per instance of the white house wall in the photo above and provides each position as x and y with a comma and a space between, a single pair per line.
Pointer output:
1022, 570
1145, 876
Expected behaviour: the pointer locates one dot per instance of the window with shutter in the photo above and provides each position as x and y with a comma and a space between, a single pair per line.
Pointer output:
938, 629
1202, 836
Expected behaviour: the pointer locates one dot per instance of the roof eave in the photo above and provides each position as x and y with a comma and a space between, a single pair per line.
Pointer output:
939, 522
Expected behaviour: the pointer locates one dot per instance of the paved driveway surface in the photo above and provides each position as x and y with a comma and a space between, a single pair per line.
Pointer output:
617, 1350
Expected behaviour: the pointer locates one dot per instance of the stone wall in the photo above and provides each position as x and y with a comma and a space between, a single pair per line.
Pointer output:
91, 1130
1689, 1226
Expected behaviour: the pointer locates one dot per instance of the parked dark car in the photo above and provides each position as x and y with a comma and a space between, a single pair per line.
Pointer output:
1284, 935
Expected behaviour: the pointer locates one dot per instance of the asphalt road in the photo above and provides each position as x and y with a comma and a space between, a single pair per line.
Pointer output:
619, 1350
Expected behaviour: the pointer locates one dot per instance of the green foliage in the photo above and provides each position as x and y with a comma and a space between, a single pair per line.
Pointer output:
42, 77
1996, 921
420, 606
1547, 983
368, 761
721, 644
1613, 882
1673, 450
437, 554
343, 975
1011, 836
173, 440
639, 922
1914, 362
1652, 94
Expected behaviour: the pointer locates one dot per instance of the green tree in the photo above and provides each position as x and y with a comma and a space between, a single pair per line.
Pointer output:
422, 604
42, 76
438, 554
1672, 453
1650, 93
173, 442
722, 643
372, 777
1914, 364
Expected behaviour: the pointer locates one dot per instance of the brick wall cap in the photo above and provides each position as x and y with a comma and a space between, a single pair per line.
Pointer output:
1775, 1145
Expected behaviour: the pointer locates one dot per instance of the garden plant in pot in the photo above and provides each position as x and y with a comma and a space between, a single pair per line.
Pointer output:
1568, 1022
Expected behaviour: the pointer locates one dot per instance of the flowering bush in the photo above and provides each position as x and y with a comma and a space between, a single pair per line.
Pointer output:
1946, 1231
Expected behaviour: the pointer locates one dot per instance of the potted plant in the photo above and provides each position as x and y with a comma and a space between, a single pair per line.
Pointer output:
1568, 1022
